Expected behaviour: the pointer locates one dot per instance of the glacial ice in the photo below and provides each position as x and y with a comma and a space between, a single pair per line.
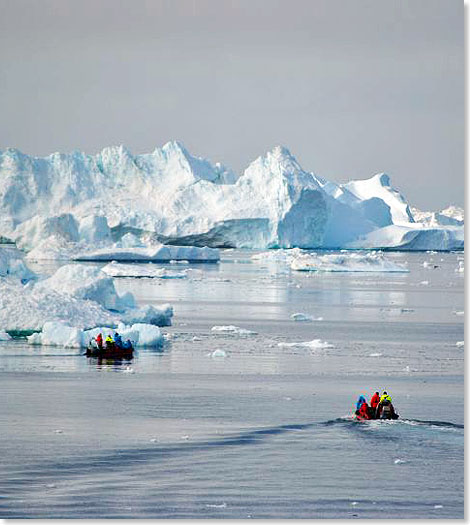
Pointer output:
120, 204
316, 344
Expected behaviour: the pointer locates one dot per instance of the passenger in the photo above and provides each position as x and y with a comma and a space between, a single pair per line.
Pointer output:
375, 400
109, 343
117, 340
384, 397
127, 344
99, 341
385, 408
362, 409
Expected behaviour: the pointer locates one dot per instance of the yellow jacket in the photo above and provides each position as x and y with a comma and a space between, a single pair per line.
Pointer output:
385, 397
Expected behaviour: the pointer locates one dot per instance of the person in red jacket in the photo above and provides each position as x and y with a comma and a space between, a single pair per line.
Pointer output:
362, 409
99, 341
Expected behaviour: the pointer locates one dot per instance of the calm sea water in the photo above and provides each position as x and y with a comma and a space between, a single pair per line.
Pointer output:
264, 432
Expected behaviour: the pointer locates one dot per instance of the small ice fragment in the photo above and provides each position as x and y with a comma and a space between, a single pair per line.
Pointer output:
185, 437
154, 440
215, 506
196, 339
404, 310
459, 344
407, 369
398, 461
438, 506
304, 317
424, 283
128, 370
315, 344
58, 431
231, 329
375, 354
218, 353
354, 503
459, 312
50, 486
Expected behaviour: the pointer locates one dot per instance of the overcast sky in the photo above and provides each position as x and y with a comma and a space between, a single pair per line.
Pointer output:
351, 87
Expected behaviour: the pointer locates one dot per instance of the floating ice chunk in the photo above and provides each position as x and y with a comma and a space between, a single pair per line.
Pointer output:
459, 344
376, 354
149, 315
315, 344
216, 506
61, 334
399, 461
406, 310
461, 268
301, 317
156, 253
231, 329
344, 262
424, 283
438, 506
459, 312
4, 336
116, 269
218, 353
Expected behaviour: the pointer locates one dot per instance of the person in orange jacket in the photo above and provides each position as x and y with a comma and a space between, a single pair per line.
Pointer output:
375, 400
362, 409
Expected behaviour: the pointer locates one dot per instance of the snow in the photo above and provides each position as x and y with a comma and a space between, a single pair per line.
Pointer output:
344, 262
62, 334
316, 344
98, 206
116, 269
451, 216
231, 329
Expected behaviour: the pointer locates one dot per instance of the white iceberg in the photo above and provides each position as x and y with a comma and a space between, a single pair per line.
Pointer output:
304, 317
87, 282
116, 269
158, 253
192, 202
4, 336
149, 314
62, 334
344, 262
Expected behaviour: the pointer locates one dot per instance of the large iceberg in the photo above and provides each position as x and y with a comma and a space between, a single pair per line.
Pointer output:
118, 205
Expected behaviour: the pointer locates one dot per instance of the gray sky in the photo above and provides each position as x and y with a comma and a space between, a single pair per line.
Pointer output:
351, 87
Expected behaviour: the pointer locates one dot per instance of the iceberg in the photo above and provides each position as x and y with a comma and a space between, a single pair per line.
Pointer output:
62, 334
231, 329
344, 262
116, 269
124, 204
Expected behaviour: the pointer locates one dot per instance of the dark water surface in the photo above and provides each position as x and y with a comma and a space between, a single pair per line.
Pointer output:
264, 432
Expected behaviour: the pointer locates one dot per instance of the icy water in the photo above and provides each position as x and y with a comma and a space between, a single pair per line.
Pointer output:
263, 432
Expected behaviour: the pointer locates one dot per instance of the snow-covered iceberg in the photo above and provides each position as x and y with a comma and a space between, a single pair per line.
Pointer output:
117, 206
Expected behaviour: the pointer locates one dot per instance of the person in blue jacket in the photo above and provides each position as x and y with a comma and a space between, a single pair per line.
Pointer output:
117, 340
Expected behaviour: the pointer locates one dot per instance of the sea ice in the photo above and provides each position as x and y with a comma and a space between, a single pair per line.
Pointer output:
232, 330
315, 344
344, 262
116, 269
305, 317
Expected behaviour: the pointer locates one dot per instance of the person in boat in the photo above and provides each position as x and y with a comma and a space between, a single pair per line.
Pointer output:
362, 408
385, 409
99, 341
109, 343
374, 401
117, 340
127, 345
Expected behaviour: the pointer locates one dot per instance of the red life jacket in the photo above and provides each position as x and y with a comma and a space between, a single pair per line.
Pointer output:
363, 412
375, 401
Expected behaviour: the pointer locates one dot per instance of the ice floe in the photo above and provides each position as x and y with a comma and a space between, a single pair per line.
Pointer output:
116, 269
344, 262
305, 317
231, 329
315, 344
4, 336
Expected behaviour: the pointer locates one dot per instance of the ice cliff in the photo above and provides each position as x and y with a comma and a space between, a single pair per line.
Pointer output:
170, 196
